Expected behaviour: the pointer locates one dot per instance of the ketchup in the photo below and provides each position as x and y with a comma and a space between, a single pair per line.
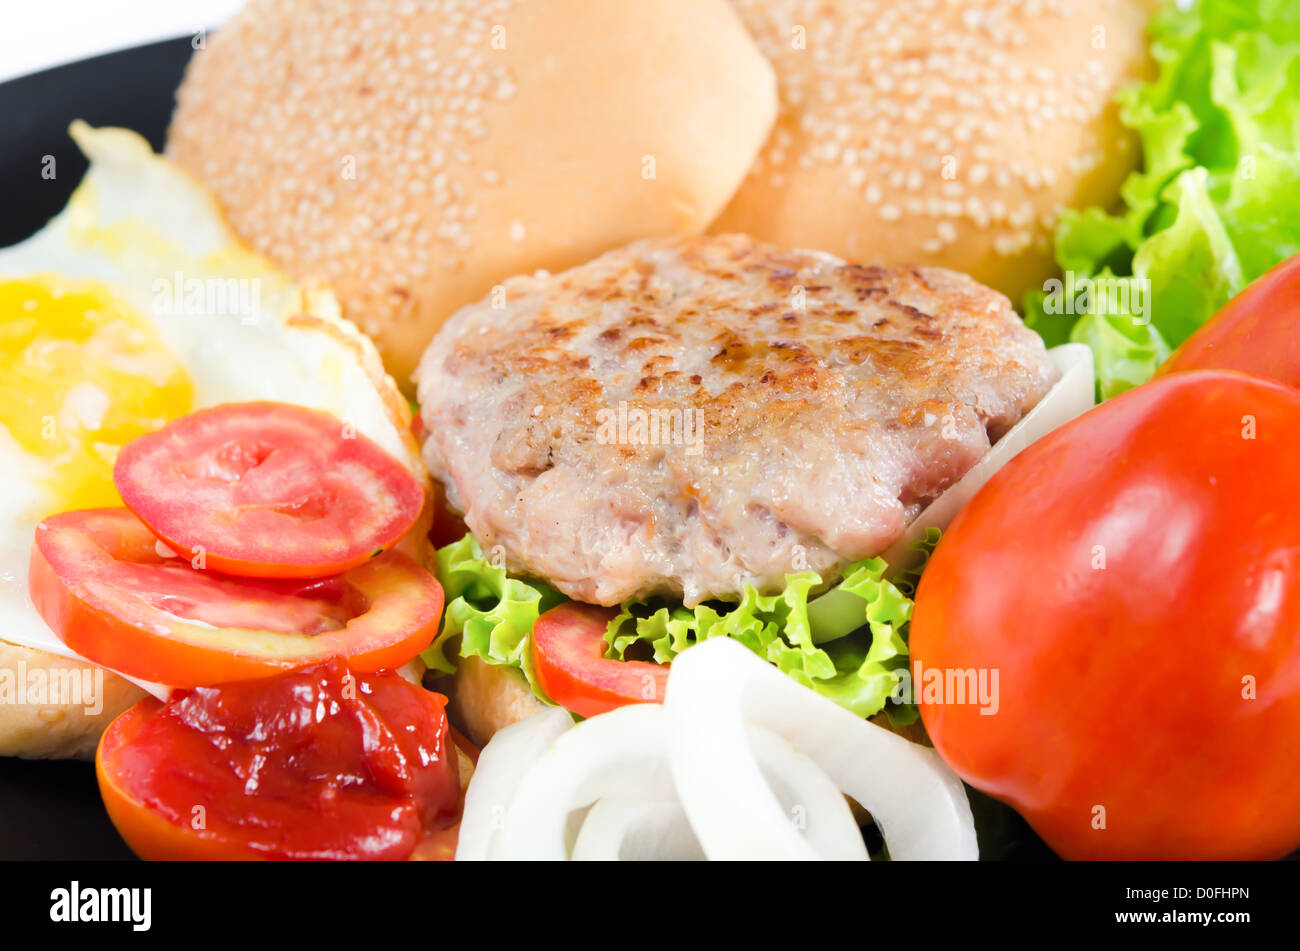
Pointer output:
319, 763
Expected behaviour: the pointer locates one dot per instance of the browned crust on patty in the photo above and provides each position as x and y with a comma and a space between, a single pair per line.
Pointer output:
832, 402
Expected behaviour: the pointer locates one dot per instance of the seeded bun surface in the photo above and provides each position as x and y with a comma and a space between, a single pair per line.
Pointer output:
414, 154
938, 132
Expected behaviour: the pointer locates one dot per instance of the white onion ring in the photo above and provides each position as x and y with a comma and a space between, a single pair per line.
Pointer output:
719, 686
715, 771
718, 769
807, 798
617, 754
501, 766
640, 829
636, 830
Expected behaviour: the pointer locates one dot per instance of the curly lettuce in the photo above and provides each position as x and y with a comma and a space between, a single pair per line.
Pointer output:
489, 615
845, 644
1217, 202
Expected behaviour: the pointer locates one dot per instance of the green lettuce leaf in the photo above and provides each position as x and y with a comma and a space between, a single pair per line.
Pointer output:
489, 614
847, 657
1217, 202
849, 660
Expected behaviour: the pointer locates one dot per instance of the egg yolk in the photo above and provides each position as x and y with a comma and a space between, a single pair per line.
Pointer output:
81, 374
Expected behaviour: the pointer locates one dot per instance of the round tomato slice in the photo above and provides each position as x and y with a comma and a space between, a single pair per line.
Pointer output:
97, 578
319, 763
1254, 333
268, 490
568, 656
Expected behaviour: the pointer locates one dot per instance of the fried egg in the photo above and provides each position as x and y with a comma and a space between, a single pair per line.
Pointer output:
134, 306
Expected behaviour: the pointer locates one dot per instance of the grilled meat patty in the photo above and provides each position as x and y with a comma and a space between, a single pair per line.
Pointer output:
684, 416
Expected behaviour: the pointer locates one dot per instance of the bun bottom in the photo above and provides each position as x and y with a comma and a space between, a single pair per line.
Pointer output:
488, 697
53, 707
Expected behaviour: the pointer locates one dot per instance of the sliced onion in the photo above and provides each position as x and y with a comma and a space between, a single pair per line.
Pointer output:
719, 686
501, 767
739, 763
618, 754
643, 829
808, 799
1072, 395
636, 830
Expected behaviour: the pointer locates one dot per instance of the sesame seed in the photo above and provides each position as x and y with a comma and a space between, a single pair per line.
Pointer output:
395, 97
879, 94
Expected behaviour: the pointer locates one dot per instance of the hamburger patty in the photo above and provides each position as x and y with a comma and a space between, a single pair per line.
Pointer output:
684, 416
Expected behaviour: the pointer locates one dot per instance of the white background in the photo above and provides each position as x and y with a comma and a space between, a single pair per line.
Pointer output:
35, 34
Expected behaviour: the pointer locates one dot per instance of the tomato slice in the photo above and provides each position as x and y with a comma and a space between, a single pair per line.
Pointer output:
98, 580
1255, 332
319, 763
268, 490
568, 656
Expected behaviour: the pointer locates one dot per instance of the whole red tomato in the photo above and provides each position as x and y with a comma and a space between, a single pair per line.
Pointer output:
1134, 580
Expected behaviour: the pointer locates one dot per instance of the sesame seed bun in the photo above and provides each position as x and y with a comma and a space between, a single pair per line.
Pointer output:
939, 132
414, 154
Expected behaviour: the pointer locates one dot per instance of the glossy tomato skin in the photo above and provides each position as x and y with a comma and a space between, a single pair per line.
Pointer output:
568, 656
1134, 580
271, 490
98, 581
149, 835
1255, 332
317, 764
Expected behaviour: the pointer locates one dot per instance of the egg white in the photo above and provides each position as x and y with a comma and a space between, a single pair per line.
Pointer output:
137, 223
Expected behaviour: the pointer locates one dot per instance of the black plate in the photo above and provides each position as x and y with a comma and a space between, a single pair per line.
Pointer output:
52, 810
132, 88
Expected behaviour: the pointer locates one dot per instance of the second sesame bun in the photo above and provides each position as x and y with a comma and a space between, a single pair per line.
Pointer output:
940, 133
412, 155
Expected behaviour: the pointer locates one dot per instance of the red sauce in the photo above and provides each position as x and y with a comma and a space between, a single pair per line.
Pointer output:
318, 763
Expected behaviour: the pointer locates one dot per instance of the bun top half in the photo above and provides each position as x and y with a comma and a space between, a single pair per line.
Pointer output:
940, 132
414, 154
